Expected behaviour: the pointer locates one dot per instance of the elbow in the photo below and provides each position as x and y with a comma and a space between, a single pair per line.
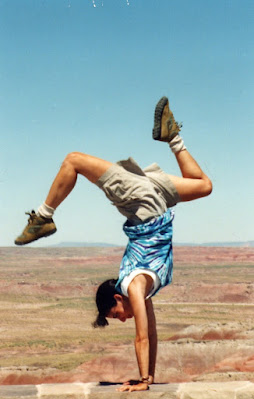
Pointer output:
142, 341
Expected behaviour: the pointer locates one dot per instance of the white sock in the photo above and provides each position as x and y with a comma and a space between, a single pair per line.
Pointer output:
45, 211
177, 144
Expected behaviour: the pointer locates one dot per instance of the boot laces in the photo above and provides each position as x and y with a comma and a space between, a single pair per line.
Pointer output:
32, 216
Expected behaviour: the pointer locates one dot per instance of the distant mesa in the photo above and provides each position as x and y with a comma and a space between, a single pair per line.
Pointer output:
246, 244
71, 244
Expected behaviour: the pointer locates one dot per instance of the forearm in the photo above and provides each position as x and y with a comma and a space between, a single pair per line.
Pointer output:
142, 353
152, 333
152, 354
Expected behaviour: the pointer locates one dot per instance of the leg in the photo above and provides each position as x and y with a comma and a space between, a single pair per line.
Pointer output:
194, 183
75, 163
41, 224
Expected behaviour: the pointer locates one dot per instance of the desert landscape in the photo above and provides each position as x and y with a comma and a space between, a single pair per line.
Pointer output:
205, 318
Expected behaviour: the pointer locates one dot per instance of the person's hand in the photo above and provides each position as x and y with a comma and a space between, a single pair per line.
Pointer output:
139, 386
133, 382
150, 380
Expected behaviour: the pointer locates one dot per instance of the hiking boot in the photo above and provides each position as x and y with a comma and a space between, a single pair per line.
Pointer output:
165, 126
36, 228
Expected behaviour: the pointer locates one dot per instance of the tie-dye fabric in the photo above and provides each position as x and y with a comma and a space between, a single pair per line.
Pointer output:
149, 247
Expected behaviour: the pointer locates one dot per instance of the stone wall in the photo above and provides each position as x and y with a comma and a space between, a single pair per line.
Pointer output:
195, 390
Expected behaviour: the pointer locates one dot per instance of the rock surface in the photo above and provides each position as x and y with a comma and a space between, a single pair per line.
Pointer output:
215, 390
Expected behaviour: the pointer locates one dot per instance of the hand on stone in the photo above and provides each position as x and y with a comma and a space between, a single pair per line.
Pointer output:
133, 382
139, 386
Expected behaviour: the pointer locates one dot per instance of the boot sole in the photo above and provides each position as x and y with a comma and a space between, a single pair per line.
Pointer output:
37, 238
157, 118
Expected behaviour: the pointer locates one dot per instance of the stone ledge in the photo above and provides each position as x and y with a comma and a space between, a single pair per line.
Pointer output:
193, 390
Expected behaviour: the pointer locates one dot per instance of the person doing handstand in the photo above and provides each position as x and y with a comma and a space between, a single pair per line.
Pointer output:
145, 197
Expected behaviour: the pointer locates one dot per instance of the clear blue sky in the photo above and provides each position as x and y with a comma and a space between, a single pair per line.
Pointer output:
75, 77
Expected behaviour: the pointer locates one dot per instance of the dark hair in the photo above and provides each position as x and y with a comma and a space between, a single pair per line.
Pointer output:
105, 301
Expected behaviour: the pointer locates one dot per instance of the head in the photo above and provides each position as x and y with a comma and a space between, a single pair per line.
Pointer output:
111, 304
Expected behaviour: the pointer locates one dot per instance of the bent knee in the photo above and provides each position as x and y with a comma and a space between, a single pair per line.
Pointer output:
73, 159
208, 186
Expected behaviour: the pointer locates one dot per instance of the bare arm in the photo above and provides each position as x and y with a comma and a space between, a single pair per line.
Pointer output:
138, 290
152, 334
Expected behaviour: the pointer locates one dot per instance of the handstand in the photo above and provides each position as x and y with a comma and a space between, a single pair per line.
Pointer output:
145, 198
